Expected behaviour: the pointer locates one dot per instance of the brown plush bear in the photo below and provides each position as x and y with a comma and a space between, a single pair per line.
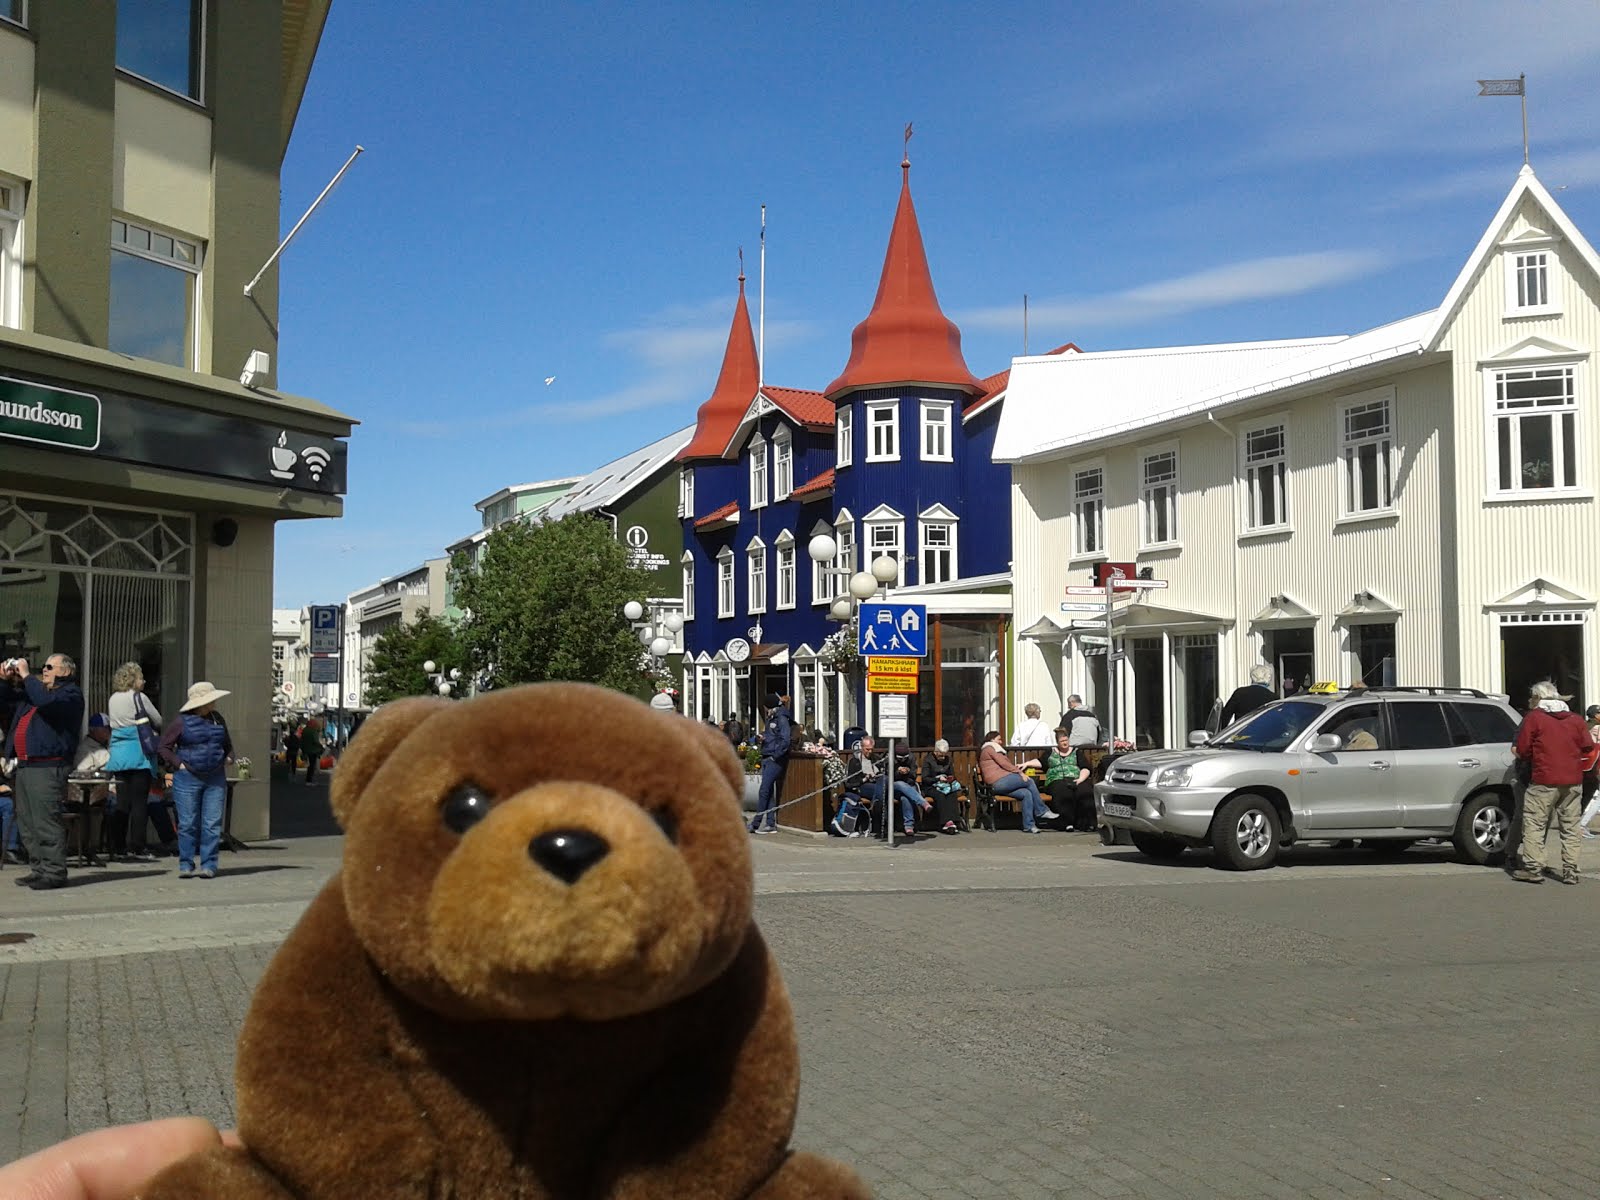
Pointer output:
537, 975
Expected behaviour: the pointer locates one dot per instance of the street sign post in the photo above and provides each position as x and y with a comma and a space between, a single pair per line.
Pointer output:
893, 719
327, 658
325, 669
1113, 582
893, 629
324, 629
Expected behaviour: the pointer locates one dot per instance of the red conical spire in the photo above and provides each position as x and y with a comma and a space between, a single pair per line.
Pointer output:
906, 338
736, 386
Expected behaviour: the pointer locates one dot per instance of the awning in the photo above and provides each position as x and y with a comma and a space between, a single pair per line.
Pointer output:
773, 654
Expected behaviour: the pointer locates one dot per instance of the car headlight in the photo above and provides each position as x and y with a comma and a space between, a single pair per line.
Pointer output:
1173, 777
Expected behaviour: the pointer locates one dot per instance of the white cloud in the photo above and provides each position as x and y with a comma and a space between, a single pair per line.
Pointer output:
1215, 287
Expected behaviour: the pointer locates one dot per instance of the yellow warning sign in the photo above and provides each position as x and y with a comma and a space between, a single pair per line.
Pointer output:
905, 685
879, 665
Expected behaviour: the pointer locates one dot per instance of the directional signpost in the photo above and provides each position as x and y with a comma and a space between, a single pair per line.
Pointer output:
897, 634
1117, 581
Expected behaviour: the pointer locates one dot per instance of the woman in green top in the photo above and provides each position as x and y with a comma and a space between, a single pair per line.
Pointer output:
1067, 784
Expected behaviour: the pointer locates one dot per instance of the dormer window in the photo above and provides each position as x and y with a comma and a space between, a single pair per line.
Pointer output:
844, 450
758, 473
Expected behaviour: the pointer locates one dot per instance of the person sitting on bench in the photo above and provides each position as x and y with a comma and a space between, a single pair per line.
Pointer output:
866, 774
938, 777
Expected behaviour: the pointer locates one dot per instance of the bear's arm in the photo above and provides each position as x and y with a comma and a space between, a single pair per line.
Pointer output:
321, 1100
733, 1086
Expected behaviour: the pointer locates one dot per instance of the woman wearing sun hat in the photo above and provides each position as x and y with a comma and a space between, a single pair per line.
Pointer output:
196, 749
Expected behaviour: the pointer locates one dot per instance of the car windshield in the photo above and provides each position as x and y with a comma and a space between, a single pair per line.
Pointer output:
1269, 729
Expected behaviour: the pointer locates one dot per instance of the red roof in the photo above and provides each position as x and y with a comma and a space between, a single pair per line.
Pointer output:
996, 384
906, 338
822, 483
720, 415
730, 509
809, 408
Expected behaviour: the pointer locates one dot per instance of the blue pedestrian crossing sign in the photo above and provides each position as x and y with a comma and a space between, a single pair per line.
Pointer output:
896, 629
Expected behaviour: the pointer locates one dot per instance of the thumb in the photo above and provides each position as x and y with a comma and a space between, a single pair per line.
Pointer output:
108, 1164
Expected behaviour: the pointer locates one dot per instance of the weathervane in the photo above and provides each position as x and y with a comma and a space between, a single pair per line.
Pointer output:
906, 161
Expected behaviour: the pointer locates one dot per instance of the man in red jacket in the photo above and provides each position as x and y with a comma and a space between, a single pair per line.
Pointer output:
1554, 740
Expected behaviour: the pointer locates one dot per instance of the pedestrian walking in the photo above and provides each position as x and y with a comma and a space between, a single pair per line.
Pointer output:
135, 732
1554, 742
1591, 777
776, 740
311, 746
42, 738
196, 749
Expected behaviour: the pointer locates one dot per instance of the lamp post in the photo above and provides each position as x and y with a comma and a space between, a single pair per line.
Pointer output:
863, 586
444, 682
656, 640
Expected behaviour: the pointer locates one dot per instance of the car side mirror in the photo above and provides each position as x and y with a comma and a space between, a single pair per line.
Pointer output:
1198, 737
1326, 743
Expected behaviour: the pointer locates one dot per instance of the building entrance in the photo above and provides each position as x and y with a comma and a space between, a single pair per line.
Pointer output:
1542, 646
1292, 655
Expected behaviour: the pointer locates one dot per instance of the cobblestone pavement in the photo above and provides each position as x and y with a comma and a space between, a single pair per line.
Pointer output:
986, 1016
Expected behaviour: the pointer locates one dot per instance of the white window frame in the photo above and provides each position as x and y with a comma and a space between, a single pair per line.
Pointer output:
784, 571
725, 597
1562, 415
758, 472
1163, 491
688, 585
843, 437
755, 576
947, 523
12, 203
937, 428
889, 428
1351, 445
18, 22
782, 464
1089, 511
122, 230
1263, 471
883, 531
822, 589
844, 558
1533, 261
686, 492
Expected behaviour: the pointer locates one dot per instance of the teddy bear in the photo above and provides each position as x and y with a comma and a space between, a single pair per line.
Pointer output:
536, 974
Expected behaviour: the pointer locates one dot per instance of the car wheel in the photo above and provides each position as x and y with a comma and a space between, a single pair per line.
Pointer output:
1158, 846
1483, 831
1246, 833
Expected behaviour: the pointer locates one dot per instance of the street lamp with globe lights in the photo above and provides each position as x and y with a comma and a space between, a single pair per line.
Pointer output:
444, 682
657, 641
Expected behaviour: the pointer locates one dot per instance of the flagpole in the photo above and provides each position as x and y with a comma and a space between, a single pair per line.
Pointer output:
1024, 324
761, 308
1522, 80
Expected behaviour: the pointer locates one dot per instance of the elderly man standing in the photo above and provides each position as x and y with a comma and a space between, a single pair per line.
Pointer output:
1554, 741
42, 738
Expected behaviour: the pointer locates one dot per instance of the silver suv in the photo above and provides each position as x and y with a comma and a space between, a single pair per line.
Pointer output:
1386, 765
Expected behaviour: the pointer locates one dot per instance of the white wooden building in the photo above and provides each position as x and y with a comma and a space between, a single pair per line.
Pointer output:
1411, 504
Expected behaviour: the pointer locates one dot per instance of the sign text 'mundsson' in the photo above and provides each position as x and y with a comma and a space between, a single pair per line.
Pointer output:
53, 416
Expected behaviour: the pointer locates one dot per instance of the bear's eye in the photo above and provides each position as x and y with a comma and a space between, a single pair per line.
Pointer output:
465, 807
668, 823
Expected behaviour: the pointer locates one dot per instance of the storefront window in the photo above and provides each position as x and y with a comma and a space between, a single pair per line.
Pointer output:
1195, 682
105, 585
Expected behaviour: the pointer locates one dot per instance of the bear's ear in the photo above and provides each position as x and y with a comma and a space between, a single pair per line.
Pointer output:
380, 734
716, 744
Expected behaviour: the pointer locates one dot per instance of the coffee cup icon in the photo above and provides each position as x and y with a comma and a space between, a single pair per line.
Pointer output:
283, 458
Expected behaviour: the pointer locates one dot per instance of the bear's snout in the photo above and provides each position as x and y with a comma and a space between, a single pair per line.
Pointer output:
568, 853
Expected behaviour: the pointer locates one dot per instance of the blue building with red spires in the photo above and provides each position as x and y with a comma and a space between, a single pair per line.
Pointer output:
893, 458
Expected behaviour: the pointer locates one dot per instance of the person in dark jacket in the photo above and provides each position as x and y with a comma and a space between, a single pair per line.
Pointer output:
939, 782
1252, 696
1554, 741
197, 749
42, 738
776, 740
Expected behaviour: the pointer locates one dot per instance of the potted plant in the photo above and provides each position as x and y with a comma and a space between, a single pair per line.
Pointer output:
751, 753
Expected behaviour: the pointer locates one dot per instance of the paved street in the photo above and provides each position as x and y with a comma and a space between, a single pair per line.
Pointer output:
982, 1016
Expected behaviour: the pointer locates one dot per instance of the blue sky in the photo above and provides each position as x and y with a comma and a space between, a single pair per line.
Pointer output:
561, 190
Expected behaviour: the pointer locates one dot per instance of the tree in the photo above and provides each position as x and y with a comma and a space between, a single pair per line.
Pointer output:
545, 602
398, 654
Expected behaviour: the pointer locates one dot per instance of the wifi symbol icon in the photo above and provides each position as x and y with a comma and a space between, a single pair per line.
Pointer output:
316, 459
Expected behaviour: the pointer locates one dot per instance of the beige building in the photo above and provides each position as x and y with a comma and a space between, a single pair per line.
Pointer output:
145, 453
1414, 504
397, 600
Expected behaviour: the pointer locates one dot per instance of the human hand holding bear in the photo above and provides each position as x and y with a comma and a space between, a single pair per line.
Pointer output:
537, 975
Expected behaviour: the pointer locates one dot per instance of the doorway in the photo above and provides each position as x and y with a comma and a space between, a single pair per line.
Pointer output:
1292, 653
1542, 648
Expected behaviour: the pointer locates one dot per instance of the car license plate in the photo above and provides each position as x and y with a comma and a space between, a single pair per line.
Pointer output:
1117, 808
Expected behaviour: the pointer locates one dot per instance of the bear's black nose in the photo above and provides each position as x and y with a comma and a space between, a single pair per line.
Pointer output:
568, 853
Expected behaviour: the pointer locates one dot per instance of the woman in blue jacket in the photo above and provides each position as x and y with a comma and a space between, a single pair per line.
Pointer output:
197, 750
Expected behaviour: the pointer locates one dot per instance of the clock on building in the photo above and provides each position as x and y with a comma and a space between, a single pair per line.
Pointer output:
738, 650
